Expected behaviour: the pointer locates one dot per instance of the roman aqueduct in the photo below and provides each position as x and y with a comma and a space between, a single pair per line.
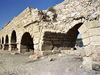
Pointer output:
49, 29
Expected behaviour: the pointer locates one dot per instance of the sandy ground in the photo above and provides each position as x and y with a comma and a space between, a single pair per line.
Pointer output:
20, 64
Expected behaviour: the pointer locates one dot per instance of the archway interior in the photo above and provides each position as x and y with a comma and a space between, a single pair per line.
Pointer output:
61, 41
6, 46
2, 42
72, 36
7, 39
27, 42
13, 41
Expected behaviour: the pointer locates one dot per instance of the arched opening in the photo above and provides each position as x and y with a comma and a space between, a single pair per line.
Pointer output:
2, 40
61, 41
26, 43
6, 46
13, 41
72, 35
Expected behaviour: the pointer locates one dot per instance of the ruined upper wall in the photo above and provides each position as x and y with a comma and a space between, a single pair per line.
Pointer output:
89, 9
67, 11
24, 18
61, 17
70, 12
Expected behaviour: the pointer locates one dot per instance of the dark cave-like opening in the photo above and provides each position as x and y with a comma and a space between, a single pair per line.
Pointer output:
6, 46
26, 42
13, 40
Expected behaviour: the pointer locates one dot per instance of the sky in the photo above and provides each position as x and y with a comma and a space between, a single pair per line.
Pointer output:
11, 8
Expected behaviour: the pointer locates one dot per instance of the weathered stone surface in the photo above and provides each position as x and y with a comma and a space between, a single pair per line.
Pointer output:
64, 22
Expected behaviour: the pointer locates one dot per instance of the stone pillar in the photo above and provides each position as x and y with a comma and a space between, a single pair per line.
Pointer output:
36, 45
2, 46
18, 46
9, 43
40, 45
9, 47
36, 48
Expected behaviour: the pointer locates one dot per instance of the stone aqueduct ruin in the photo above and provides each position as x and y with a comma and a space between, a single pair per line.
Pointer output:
54, 29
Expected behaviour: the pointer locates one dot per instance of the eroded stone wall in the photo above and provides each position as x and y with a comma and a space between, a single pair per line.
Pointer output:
56, 41
64, 19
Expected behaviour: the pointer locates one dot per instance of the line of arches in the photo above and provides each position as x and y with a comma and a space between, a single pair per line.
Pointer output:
51, 40
26, 42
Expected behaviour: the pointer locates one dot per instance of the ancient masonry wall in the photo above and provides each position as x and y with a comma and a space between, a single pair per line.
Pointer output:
55, 28
21, 24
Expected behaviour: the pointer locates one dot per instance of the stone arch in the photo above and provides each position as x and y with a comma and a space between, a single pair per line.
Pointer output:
61, 41
72, 35
6, 46
13, 40
26, 43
